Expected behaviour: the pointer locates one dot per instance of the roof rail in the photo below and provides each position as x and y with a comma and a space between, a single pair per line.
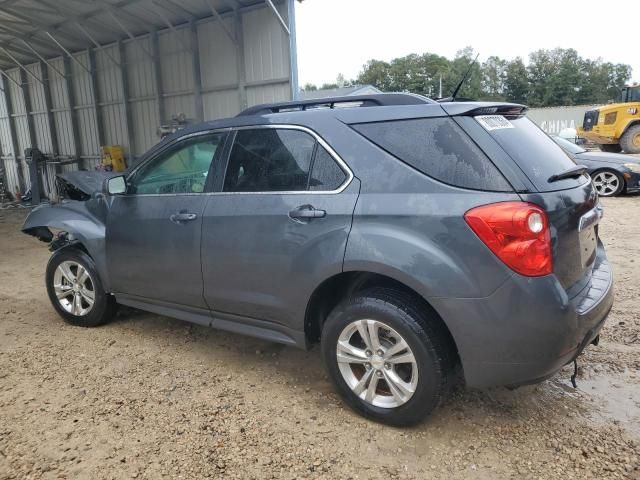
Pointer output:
376, 100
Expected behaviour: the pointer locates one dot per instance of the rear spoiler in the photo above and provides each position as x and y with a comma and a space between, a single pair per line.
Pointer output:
472, 109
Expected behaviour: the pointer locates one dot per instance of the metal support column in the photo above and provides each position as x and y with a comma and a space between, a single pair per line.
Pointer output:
91, 54
197, 74
293, 50
68, 74
157, 74
242, 73
125, 101
48, 105
12, 134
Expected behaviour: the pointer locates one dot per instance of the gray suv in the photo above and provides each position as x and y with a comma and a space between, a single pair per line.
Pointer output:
417, 242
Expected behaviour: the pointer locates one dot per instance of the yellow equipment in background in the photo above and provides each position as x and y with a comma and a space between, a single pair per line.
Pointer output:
113, 156
615, 127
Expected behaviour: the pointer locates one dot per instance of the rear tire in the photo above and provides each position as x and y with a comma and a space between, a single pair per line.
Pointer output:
411, 378
611, 148
75, 289
630, 141
608, 183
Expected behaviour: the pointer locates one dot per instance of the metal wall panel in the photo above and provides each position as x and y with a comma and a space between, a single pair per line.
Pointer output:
266, 45
221, 104
39, 110
177, 72
146, 122
218, 63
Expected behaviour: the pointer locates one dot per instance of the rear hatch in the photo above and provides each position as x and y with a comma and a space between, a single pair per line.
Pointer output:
570, 203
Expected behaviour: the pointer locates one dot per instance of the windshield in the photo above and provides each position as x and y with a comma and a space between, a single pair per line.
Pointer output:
568, 146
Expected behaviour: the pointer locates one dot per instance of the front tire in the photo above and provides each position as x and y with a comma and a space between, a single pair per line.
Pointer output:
608, 183
386, 355
75, 289
630, 141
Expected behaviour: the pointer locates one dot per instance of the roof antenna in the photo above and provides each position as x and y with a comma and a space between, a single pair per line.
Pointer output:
464, 78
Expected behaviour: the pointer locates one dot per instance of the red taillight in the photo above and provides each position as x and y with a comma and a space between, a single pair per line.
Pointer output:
518, 233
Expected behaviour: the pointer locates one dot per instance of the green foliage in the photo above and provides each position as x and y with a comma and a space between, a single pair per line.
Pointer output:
551, 78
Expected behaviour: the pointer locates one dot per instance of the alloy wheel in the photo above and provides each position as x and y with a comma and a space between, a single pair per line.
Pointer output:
606, 183
377, 363
74, 288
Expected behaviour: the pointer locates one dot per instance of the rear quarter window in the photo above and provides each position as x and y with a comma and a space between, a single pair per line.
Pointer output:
439, 148
537, 155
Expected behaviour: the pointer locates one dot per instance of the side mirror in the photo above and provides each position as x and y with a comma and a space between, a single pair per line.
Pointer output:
115, 185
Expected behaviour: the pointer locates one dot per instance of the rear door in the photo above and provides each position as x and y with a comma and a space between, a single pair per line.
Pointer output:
566, 201
279, 225
153, 231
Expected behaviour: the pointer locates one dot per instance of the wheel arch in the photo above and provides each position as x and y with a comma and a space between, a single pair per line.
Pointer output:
336, 288
630, 123
83, 229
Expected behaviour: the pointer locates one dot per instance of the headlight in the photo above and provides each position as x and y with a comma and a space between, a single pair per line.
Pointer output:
634, 167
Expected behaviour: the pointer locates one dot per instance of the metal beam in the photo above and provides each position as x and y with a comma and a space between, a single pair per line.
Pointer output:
94, 95
157, 74
168, 23
17, 35
97, 45
42, 59
33, 21
48, 105
22, 67
283, 24
133, 38
293, 49
68, 75
68, 53
242, 74
172, 6
224, 25
10, 78
125, 102
76, 18
12, 132
197, 74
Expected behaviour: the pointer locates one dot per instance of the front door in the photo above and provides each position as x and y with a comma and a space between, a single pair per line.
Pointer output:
279, 226
153, 231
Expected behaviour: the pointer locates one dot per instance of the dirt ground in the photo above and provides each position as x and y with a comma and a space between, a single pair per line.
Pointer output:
151, 397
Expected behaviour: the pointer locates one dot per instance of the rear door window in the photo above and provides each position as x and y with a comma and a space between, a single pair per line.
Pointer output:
439, 148
537, 155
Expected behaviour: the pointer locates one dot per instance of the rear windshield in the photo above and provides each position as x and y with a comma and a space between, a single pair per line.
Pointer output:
537, 155
439, 148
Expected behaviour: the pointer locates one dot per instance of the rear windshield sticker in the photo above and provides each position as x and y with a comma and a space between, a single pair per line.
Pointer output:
494, 122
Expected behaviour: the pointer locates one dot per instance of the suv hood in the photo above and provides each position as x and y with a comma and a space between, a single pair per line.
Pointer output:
83, 183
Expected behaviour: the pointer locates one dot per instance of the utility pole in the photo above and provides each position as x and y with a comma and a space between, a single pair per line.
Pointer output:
440, 94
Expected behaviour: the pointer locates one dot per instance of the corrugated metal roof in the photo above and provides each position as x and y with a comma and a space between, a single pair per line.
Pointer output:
26, 26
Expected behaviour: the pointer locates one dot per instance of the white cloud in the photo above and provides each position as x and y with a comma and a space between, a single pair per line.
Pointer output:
339, 36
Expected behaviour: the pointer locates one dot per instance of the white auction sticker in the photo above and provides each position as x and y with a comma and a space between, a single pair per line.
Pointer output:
493, 122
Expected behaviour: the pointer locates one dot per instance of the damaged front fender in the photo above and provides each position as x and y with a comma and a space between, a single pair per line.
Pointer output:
84, 223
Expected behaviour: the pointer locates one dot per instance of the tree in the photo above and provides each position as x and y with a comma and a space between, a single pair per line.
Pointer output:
552, 77
516, 81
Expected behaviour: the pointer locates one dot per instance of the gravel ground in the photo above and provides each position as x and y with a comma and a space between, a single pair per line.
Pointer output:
151, 397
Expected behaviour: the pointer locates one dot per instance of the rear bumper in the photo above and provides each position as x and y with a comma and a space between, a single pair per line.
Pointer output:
529, 328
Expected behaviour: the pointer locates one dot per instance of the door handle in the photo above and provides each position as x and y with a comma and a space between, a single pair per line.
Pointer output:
183, 217
307, 212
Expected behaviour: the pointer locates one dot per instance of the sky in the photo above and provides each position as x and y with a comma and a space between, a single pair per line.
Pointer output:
339, 36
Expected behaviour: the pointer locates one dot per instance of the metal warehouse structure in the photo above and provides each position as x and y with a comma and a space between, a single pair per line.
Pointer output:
78, 74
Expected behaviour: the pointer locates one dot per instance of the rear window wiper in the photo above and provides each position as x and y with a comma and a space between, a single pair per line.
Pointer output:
572, 172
